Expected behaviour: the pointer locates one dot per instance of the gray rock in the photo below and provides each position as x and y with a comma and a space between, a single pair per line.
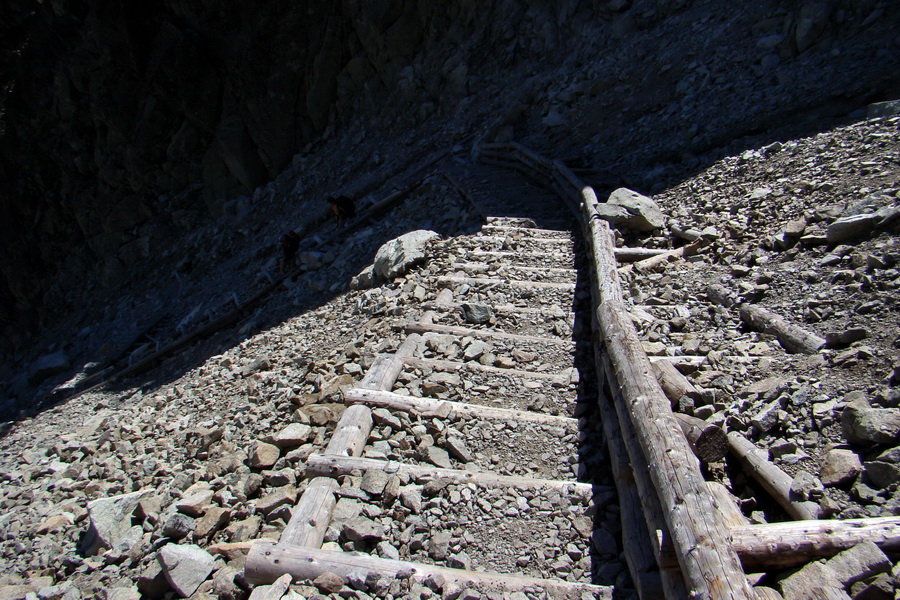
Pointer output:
411, 498
374, 481
185, 567
882, 474
476, 350
457, 447
48, 366
438, 457
643, 213
365, 279
274, 591
460, 560
865, 425
477, 314
110, 523
839, 467
295, 434
386, 550
806, 487
891, 108
397, 256
439, 545
362, 529
847, 229
767, 417
178, 526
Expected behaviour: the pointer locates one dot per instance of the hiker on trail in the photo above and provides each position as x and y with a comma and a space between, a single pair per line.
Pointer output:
290, 243
343, 208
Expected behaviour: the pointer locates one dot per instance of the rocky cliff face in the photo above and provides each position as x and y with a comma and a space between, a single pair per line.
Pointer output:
125, 126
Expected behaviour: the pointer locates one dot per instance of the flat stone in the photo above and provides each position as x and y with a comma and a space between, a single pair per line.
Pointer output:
110, 523
865, 425
457, 448
263, 455
438, 457
195, 504
274, 591
185, 567
286, 495
848, 229
373, 481
295, 434
839, 467
361, 528
767, 417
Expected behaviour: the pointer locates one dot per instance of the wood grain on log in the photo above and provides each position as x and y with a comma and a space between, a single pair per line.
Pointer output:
710, 565
774, 480
433, 407
333, 466
266, 562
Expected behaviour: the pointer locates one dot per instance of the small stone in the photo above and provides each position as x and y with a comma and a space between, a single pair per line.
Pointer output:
295, 434
460, 560
477, 314
185, 567
374, 481
328, 583
839, 467
438, 457
411, 498
178, 526
274, 591
285, 496
362, 529
439, 545
263, 455
767, 417
457, 448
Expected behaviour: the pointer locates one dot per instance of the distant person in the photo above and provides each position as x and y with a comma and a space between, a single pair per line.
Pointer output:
290, 243
343, 209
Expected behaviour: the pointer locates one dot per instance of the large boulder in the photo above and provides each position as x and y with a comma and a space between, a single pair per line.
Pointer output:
397, 256
630, 209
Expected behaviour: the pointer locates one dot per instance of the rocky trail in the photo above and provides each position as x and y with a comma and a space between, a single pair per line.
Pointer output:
662, 399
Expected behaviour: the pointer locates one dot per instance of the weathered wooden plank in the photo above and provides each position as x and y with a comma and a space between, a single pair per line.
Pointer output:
266, 562
510, 282
352, 432
312, 514
770, 546
433, 407
333, 466
424, 328
774, 480
384, 371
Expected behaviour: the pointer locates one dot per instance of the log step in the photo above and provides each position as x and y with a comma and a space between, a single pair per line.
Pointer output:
335, 466
449, 279
432, 407
266, 562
